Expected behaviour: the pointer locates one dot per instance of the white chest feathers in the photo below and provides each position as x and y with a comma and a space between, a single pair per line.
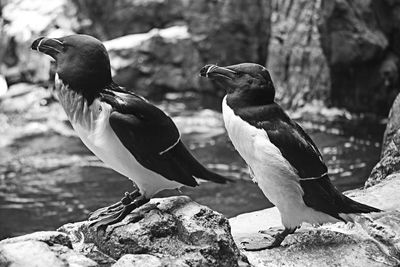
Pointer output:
274, 174
91, 123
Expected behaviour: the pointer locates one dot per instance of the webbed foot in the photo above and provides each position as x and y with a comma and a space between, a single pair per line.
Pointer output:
261, 244
117, 212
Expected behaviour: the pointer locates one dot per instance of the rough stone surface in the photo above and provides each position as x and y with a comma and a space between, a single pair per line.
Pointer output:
168, 59
41, 249
374, 240
295, 59
128, 17
176, 230
24, 21
359, 40
171, 39
157, 61
390, 156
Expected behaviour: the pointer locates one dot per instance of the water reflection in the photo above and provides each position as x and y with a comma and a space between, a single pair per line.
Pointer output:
48, 179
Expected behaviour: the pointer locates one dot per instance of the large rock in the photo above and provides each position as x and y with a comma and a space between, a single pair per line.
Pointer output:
41, 249
390, 156
168, 232
359, 40
176, 230
111, 19
165, 42
373, 241
224, 31
295, 59
157, 61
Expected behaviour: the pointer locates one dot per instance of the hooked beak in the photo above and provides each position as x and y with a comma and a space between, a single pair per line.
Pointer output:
212, 71
48, 46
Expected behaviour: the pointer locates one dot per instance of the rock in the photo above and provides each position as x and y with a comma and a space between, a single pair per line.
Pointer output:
169, 58
390, 155
358, 39
26, 21
226, 31
41, 249
127, 17
146, 260
295, 58
3, 86
175, 231
157, 61
229, 31
373, 241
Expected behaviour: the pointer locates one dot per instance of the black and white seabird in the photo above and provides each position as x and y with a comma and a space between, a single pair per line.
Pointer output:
124, 130
283, 159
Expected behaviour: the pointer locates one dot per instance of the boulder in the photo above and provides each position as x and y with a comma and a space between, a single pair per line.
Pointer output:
112, 19
155, 62
171, 231
168, 59
41, 249
166, 232
359, 41
374, 240
295, 58
390, 155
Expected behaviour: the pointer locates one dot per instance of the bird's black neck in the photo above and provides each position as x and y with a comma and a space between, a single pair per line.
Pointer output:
249, 98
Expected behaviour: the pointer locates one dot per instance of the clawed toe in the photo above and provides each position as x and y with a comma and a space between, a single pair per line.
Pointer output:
271, 231
117, 212
106, 211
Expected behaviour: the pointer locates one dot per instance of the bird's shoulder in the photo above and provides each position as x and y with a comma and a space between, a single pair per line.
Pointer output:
293, 142
138, 123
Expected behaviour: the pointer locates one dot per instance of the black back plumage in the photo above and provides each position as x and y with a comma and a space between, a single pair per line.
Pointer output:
152, 138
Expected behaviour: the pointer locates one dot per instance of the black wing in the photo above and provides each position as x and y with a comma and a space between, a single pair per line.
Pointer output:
153, 139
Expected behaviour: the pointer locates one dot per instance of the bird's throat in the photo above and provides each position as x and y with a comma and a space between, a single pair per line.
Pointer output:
77, 108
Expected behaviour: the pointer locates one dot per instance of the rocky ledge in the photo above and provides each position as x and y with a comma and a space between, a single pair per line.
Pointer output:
171, 231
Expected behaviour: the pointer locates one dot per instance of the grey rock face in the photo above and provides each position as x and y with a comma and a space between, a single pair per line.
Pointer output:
359, 40
295, 58
170, 232
41, 249
176, 230
390, 157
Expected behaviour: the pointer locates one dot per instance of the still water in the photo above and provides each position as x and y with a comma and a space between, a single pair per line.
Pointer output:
48, 179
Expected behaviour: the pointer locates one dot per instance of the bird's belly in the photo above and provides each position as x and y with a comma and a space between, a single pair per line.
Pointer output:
275, 176
105, 144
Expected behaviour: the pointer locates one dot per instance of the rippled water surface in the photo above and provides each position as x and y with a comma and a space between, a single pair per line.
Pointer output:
48, 177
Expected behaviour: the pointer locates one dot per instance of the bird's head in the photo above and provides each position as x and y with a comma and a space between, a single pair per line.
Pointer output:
247, 80
82, 61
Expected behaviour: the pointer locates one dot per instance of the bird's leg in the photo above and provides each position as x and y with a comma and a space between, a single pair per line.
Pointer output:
120, 213
127, 199
278, 239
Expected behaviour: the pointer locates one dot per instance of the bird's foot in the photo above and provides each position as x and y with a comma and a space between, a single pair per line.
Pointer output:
261, 244
117, 212
272, 231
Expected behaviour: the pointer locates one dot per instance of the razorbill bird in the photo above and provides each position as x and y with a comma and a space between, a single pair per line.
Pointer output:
121, 128
283, 159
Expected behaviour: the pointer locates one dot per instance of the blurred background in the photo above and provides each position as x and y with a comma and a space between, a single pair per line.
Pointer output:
334, 64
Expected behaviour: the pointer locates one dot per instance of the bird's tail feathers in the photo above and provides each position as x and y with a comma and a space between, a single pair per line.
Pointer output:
196, 168
354, 208
214, 177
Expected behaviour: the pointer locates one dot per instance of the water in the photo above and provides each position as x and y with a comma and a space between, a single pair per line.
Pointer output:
48, 178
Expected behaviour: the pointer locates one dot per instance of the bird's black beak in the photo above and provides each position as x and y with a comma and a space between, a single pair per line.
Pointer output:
213, 71
48, 46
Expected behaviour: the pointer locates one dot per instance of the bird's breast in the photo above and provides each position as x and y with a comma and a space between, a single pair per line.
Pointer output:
273, 173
